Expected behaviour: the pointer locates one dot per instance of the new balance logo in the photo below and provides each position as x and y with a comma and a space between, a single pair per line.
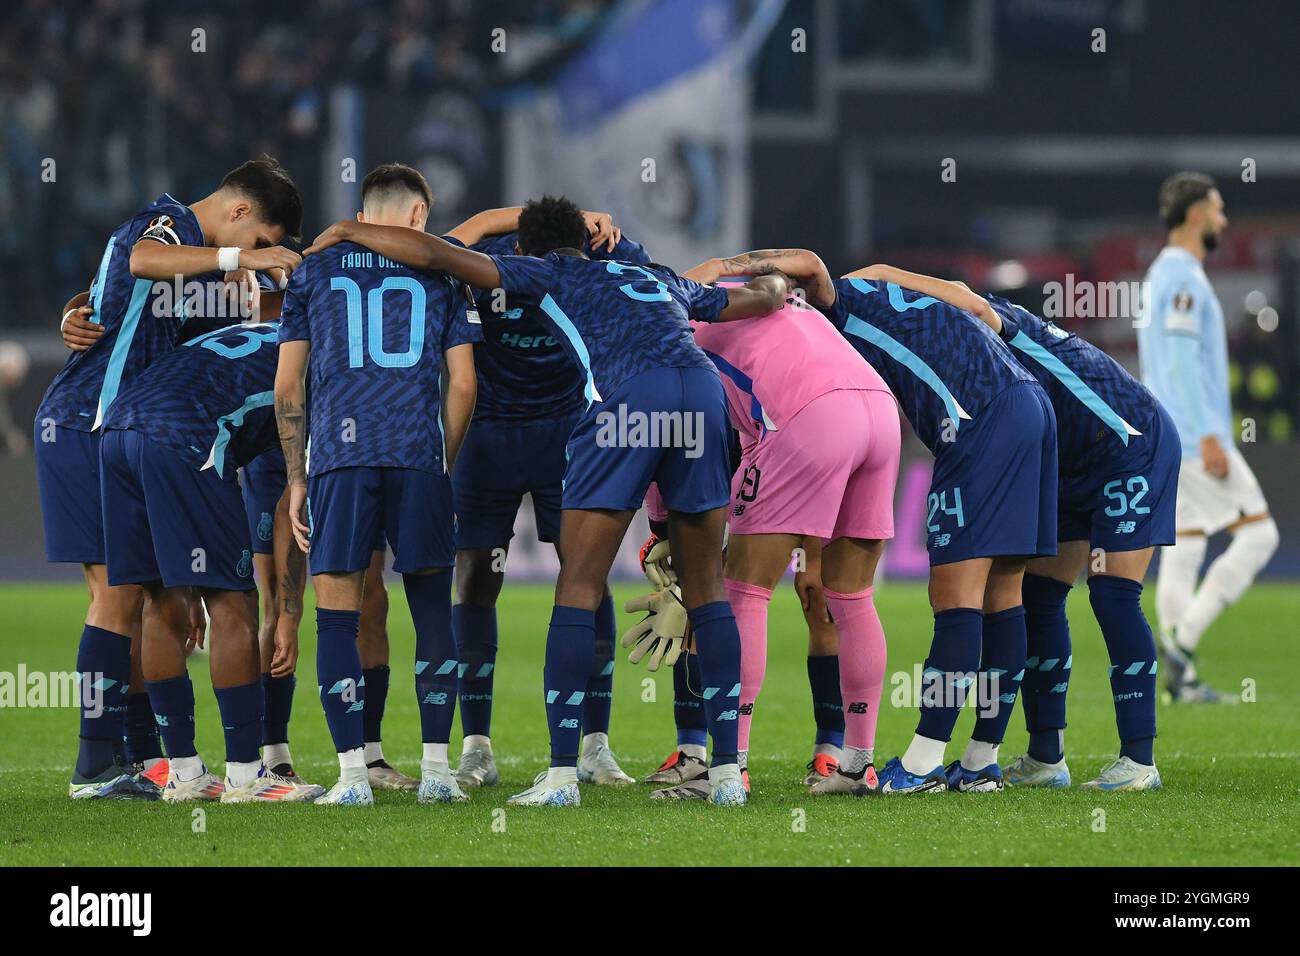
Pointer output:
439, 698
747, 709
858, 707
568, 723
1126, 527
737, 511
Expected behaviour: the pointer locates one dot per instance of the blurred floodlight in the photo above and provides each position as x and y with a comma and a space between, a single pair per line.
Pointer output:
1009, 275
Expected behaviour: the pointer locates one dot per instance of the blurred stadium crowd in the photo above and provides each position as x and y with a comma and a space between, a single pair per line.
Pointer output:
108, 87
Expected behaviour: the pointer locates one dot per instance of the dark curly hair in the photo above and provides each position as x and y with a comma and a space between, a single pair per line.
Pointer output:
1179, 192
550, 223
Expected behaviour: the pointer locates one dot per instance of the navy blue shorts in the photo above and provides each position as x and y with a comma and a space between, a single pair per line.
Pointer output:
349, 509
67, 472
994, 489
263, 484
165, 520
498, 464
667, 425
1129, 504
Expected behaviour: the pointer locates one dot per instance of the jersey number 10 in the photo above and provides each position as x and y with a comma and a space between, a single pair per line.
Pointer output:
371, 337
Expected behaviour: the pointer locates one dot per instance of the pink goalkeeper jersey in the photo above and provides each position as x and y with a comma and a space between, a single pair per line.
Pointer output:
773, 366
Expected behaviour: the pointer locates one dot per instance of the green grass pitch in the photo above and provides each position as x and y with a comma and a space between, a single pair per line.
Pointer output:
1230, 772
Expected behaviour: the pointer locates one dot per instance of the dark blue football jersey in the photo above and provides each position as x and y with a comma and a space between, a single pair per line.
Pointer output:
615, 319
942, 364
141, 320
212, 399
1100, 408
378, 331
523, 371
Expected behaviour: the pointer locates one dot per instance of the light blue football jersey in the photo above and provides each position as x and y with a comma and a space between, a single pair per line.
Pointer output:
1183, 348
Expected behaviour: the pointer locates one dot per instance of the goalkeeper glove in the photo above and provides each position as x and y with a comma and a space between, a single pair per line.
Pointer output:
657, 563
662, 633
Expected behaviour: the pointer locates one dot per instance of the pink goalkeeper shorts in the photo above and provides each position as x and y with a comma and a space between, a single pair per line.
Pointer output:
829, 472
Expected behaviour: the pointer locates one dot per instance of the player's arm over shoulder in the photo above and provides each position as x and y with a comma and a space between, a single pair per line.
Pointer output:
761, 295
803, 265
956, 294
419, 250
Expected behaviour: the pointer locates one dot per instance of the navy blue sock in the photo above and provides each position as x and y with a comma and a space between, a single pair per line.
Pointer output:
949, 670
372, 718
1002, 666
277, 693
688, 705
339, 678
104, 663
172, 701
717, 642
141, 732
1117, 604
429, 596
570, 649
1047, 665
828, 706
600, 686
241, 710
476, 649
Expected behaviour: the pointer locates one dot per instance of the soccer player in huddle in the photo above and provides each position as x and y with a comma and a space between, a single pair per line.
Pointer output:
373, 334
1183, 348
174, 521
237, 226
627, 329
1119, 458
991, 506
530, 396
659, 636
794, 484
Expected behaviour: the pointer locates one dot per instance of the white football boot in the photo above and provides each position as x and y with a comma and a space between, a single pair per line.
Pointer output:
206, 786
600, 766
1125, 774
1025, 771
351, 790
549, 791
477, 768
269, 787
437, 785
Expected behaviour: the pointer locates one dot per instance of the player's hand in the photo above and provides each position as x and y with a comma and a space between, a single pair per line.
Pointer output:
1214, 457
656, 562
197, 629
79, 333
273, 257
284, 660
601, 229
332, 236
243, 292
298, 515
661, 634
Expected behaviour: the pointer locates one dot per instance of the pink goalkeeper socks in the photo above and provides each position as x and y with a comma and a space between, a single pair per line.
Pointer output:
862, 663
749, 604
